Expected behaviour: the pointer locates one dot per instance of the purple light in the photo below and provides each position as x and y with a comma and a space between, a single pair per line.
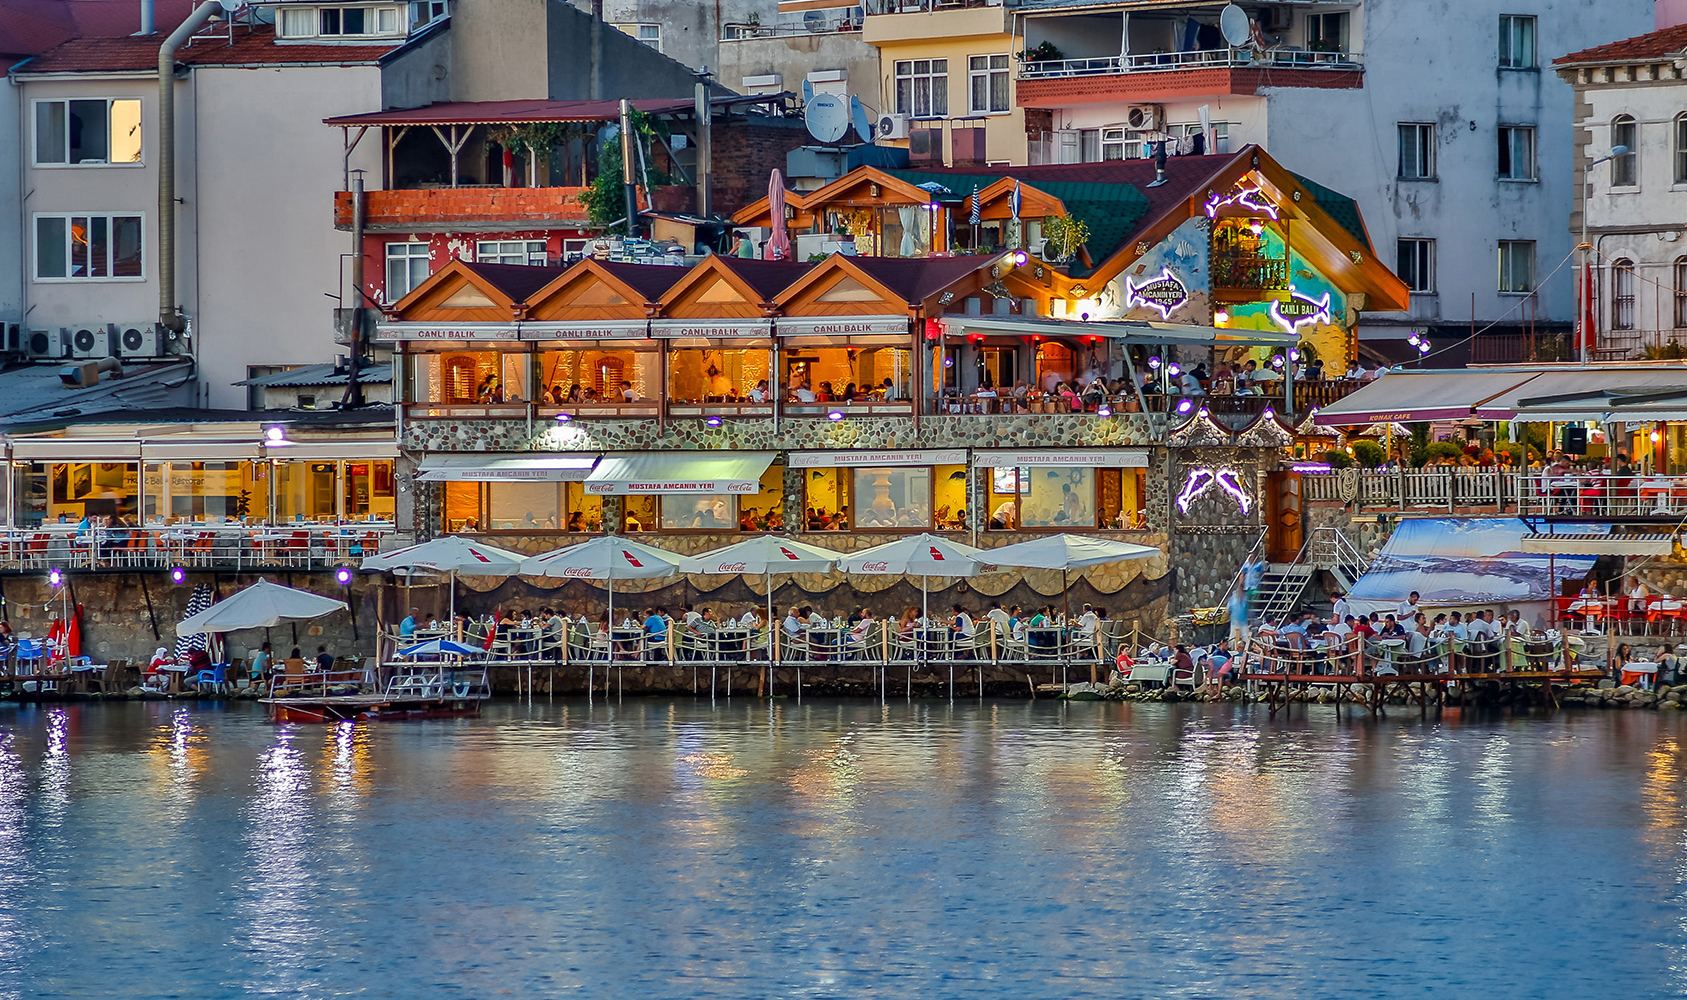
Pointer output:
342, 576
178, 575
1312, 467
1269, 413
714, 421
563, 418
1105, 411
1184, 406
55, 577
835, 416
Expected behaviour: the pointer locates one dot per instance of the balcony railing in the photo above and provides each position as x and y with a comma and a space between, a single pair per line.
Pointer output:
1531, 493
288, 545
814, 22
923, 6
1167, 62
1258, 273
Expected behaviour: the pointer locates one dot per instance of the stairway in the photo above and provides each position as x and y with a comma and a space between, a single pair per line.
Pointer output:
1281, 590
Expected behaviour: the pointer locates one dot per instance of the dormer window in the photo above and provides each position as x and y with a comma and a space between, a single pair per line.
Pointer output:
342, 22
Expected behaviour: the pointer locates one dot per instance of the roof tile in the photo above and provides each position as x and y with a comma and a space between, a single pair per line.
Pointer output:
1652, 45
249, 46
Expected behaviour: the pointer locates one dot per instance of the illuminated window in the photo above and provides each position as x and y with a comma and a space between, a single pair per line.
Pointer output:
96, 132
88, 248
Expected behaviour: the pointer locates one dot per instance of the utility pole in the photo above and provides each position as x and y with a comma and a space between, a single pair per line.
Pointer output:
595, 91
354, 391
705, 150
627, 167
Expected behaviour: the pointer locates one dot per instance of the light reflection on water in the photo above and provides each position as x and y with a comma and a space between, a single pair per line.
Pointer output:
654, 848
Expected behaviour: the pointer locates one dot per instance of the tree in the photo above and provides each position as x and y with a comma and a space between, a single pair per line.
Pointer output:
603, 198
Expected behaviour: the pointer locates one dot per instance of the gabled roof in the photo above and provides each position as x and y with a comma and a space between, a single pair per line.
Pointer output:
501, 289
1653, 45
753, 283
915, 279
249, 46
767, 277
517, 281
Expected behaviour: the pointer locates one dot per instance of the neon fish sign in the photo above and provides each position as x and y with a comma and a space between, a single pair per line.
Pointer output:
1202, 481
1163, 294
1250, 198
1299, 310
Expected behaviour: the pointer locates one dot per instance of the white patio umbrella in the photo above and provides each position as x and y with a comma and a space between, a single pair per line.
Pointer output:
921, 555
764, 555
262, 605
453, 555
1066, 552
607, 557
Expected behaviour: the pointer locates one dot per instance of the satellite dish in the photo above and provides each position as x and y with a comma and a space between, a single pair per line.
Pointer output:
858, 117
231, 6
827, 117
1233, 24
807, 91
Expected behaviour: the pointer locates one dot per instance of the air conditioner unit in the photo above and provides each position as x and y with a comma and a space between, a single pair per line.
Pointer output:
89, 340
1146, 117
13, 343
135, 340
45, 344
892, 127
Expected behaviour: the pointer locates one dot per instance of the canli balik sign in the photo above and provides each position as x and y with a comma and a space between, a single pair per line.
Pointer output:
1163, 294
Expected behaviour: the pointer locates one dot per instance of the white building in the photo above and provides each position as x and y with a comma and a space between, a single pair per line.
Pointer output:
1632, 93
1443, 121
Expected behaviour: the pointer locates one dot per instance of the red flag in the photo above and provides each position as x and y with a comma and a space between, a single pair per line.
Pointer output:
73, 634
1588, 335
491, 633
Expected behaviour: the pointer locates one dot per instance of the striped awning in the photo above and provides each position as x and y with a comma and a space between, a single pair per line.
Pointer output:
1599, 545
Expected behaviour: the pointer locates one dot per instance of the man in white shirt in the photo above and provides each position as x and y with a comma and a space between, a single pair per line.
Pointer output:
1355, 371
1189, 385
1342, 610
1380, 372
1088, 622
963, 627
1480, 628
1003, 623
793, 624
759, 393
1407, 608
804, 393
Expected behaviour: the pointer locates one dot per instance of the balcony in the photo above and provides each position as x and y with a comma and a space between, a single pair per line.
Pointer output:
429, 209
1053, 83
1590, 497
192, 545
1250, 272
913, 22
843, 20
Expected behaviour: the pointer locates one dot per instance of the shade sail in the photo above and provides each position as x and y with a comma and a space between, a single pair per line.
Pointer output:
493, 468
764, 554
680, 472
262, 605
919, 555
607, 557
1427, 395
1600, 545
1603, 394
451, 554
1067, 552
1462, 562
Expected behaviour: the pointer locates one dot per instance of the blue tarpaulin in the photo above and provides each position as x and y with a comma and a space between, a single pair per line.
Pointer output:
1462, 562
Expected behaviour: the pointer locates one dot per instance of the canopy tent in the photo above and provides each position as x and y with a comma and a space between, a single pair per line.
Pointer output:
1454, 562
1422, 395
1128, 331
1648, 396
1066, 552
923, 555
262, 605
1387, 428
764, 555
608, 558
712, 472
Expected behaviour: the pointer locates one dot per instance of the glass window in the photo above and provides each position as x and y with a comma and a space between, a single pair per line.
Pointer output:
83, 247
825, 500
97, 131
408, 265
468, 378
207, 491
922, 88
1517, 265
1517, 153
353, 21
95, 489
1625, 169
1066, 499
1681, 293
297, 22
387, 20
698, 512
523, 508
329, 21
1327, 32
1517, 41
1417, 151
891, 498
649, 34
987, 77
306, 491
1622, 295
638, 513
369, 490
599, 377
509, 252
1416, 264
717, 375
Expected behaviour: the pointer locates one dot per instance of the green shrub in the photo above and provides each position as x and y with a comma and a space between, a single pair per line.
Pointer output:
1436, 450
1337, 459
1369, 454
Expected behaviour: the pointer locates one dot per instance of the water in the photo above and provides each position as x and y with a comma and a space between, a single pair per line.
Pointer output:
657, 848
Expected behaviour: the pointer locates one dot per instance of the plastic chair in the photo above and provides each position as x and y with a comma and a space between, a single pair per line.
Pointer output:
216, 678
31, 654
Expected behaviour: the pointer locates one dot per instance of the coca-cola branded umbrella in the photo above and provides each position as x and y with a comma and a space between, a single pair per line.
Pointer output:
764, 555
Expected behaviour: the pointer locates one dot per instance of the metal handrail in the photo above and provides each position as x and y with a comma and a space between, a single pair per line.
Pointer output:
1164, 62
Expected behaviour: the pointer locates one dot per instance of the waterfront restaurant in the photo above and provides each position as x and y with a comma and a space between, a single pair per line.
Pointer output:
995, 393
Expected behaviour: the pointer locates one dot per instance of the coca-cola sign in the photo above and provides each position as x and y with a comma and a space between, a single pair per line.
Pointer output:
875, 567
736, 567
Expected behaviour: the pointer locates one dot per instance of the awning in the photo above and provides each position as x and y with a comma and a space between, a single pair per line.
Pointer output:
488, 468
1130, 331
680, 472
200, 451
397, 330
74, 450
1098, 458
843, 326
1603, 394
1426, 395
710, 329
843, 459
1600, 545
330, 451
603, 329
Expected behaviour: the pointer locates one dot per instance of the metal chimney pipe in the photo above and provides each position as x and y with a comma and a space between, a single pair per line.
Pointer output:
169, 314
146, 18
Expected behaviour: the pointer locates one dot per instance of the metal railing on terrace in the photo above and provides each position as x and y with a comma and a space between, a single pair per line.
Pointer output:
814, 22
1592, 495
300, 546
1166, 62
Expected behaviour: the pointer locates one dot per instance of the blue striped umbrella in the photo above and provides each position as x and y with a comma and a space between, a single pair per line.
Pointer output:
198, 601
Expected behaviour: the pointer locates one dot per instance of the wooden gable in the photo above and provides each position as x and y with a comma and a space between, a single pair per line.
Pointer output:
455, 293
836, 287
586, 291
996, 202
711, 291
863, 187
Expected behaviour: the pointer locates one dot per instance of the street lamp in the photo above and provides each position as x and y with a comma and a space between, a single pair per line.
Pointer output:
1581, 282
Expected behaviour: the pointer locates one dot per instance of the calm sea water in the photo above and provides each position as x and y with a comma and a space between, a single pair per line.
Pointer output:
658, 848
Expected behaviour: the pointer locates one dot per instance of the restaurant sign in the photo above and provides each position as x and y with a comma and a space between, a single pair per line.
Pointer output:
842, 326
400, 331
848, 459
1164, 294
711, 329
1104, 458
617, 487
1300, 309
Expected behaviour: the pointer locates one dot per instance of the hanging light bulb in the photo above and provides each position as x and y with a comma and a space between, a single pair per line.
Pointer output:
1221, 317
1173, 370
1154, 362
1413, 340
1184, 406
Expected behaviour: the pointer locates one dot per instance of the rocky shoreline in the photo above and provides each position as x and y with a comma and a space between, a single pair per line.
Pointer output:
1606, 694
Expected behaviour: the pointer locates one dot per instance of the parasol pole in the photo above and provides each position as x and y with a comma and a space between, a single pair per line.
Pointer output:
768, 573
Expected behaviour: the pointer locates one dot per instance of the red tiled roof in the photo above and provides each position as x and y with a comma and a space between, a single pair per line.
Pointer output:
1652, 45
31, 27
250, 46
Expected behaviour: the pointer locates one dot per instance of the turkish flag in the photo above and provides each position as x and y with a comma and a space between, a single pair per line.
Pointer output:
1588, 335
